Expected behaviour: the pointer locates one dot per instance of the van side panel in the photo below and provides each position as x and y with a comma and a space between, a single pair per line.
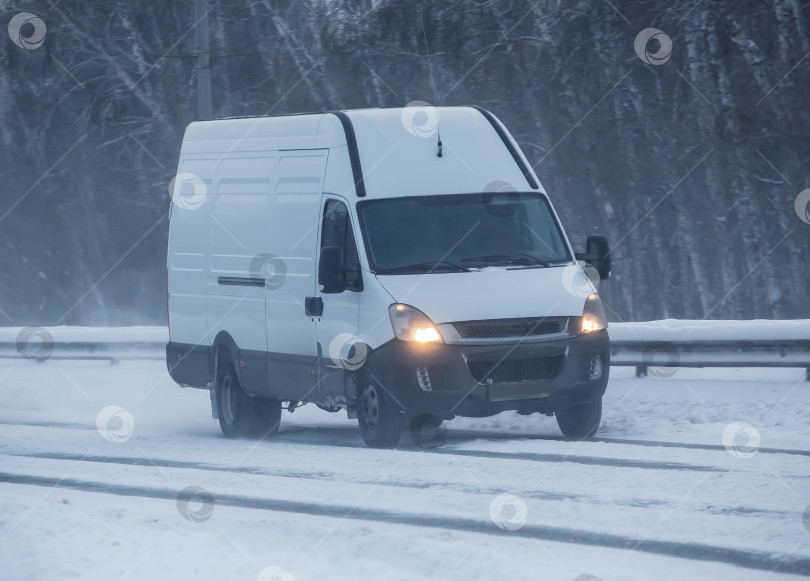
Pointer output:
187, 264
238, 222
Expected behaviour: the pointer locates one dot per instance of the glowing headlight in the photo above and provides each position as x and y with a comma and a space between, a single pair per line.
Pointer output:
593, 315
590, 324
411, 324
427, 335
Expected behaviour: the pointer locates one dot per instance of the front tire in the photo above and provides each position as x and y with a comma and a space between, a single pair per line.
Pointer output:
580, 421
380, 422
241, 415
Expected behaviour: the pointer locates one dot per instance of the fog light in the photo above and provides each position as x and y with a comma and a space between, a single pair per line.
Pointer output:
596, 366
423, 377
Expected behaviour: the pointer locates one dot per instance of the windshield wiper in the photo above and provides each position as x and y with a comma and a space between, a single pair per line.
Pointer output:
517, 258
437, 265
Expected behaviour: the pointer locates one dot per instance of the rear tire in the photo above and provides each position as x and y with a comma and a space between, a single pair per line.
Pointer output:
240, 415
380, 423
580, 421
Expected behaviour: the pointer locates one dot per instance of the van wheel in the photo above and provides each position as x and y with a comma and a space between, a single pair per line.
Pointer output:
380, 423
241, 415
580, 421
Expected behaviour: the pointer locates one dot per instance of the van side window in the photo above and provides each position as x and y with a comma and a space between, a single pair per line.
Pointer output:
336, 230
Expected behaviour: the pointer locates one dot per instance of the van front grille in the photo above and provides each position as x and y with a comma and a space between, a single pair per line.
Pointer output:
510, 370
499, 328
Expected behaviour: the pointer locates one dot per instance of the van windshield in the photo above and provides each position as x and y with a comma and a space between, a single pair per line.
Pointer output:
460, 232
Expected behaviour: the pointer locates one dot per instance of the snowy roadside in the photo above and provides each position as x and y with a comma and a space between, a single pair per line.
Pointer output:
706, 495
69, 534
693, 405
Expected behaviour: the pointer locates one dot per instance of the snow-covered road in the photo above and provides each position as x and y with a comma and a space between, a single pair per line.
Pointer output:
658, 494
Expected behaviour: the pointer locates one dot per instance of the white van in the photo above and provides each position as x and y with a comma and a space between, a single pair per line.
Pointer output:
402, 264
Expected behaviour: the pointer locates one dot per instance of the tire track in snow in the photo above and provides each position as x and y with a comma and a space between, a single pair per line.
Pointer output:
187, 465
692, 551
326, 436
292, 434
526, 456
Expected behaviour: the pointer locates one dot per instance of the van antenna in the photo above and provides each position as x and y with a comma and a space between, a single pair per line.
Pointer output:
432, 83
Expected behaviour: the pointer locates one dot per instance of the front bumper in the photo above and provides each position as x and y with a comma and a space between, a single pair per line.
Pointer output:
482, 380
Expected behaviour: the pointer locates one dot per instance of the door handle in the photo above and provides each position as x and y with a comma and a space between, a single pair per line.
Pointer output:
313, 306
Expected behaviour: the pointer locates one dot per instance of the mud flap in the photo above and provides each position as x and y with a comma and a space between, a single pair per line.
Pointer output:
350, 389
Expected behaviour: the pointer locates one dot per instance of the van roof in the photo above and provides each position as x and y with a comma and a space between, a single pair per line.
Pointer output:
393, 152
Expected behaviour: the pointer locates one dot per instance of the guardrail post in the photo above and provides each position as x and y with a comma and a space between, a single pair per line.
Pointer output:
641, 371
807, 374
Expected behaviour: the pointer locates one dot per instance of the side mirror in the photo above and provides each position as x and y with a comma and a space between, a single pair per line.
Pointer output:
331, 273
597, 254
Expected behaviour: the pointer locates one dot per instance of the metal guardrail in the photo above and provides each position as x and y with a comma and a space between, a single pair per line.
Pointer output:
644, 353
84, 350
662, 356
